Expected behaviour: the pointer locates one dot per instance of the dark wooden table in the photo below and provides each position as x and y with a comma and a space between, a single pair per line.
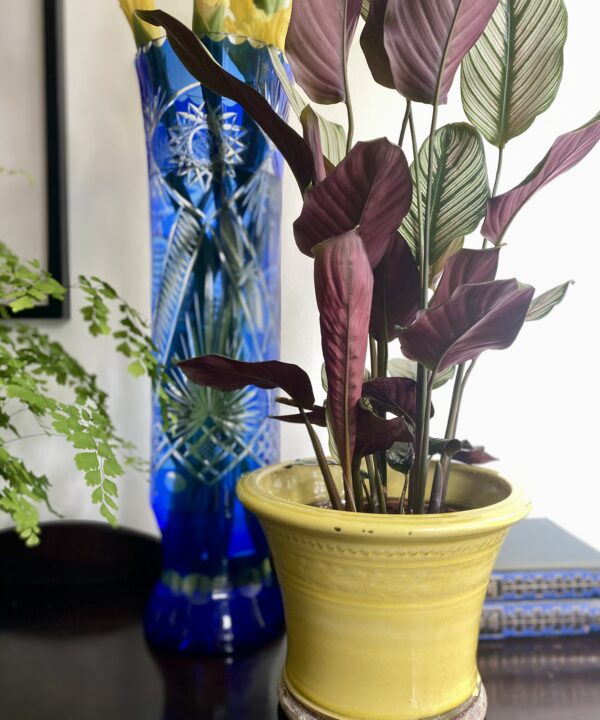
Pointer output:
72, 647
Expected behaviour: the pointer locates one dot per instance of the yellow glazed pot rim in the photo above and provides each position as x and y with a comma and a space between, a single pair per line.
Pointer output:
259, 492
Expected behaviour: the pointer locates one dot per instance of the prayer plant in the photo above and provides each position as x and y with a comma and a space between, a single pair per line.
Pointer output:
387, 239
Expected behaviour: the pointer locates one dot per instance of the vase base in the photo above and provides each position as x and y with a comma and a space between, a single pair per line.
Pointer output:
474, 709
179, 623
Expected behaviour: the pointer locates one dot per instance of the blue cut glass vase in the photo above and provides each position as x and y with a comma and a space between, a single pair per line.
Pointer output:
215, 190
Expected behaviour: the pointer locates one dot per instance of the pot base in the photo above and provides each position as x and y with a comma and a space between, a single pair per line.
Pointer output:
474, 709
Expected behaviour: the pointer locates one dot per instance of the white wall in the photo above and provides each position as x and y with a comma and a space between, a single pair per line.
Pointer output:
534, 405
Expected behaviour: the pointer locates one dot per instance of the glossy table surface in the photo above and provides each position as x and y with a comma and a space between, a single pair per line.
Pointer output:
72, 646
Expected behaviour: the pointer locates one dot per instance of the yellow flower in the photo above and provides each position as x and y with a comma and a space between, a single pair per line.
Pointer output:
209, 16
142, 32
248, 20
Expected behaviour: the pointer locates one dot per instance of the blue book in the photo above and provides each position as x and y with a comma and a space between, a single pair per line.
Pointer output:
539, 618
541, 561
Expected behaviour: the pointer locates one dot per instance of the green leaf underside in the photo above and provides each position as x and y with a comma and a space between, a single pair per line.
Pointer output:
513, 73
459, 190
543, 304
402, 367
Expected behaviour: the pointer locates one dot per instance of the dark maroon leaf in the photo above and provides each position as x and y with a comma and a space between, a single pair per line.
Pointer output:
316, 416
473, 455
371, 41
312, 136
370, 189
395, 291
376, 434
466, 267
344, 287
395, 395
475, 318
444, 446
198, 61
424, 38
566, 152
315, 46
222, 373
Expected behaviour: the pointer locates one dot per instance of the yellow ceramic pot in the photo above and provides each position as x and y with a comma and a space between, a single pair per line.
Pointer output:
382, 611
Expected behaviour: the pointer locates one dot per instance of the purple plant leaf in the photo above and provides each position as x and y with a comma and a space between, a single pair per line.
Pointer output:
478, 317
426, 38
199, 62
566, 151
344, 287
473, 455
466, 267
370, 189
316, 416
376, 434
314, 46
312, 137
225, 374
371, 41
395, 291
394, 395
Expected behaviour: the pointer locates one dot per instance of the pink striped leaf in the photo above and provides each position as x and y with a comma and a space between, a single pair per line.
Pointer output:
344, 286
394, 395
370, 189
395, 291
371, 41
426, 41
475, 318
466, 267
566, 151
315, 46
376, 434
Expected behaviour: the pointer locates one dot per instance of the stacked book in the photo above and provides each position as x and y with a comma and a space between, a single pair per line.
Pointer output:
546, 582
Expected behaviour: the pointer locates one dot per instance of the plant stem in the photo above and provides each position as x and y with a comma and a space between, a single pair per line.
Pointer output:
374, 483
373, 356
455, 403
405, 120
435, 500
369, 497
348, 99
423, 460
496, 183
421, 370
498, 171
403, 496
441, 471
382, 359
446, 460
322, 460
357, 488
31, 436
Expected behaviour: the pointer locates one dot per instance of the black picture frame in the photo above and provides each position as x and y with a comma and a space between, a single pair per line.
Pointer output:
56, 181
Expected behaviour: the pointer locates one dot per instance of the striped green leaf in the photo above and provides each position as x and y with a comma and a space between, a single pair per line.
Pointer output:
543, 304
460, 191
513, 73
333, 135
